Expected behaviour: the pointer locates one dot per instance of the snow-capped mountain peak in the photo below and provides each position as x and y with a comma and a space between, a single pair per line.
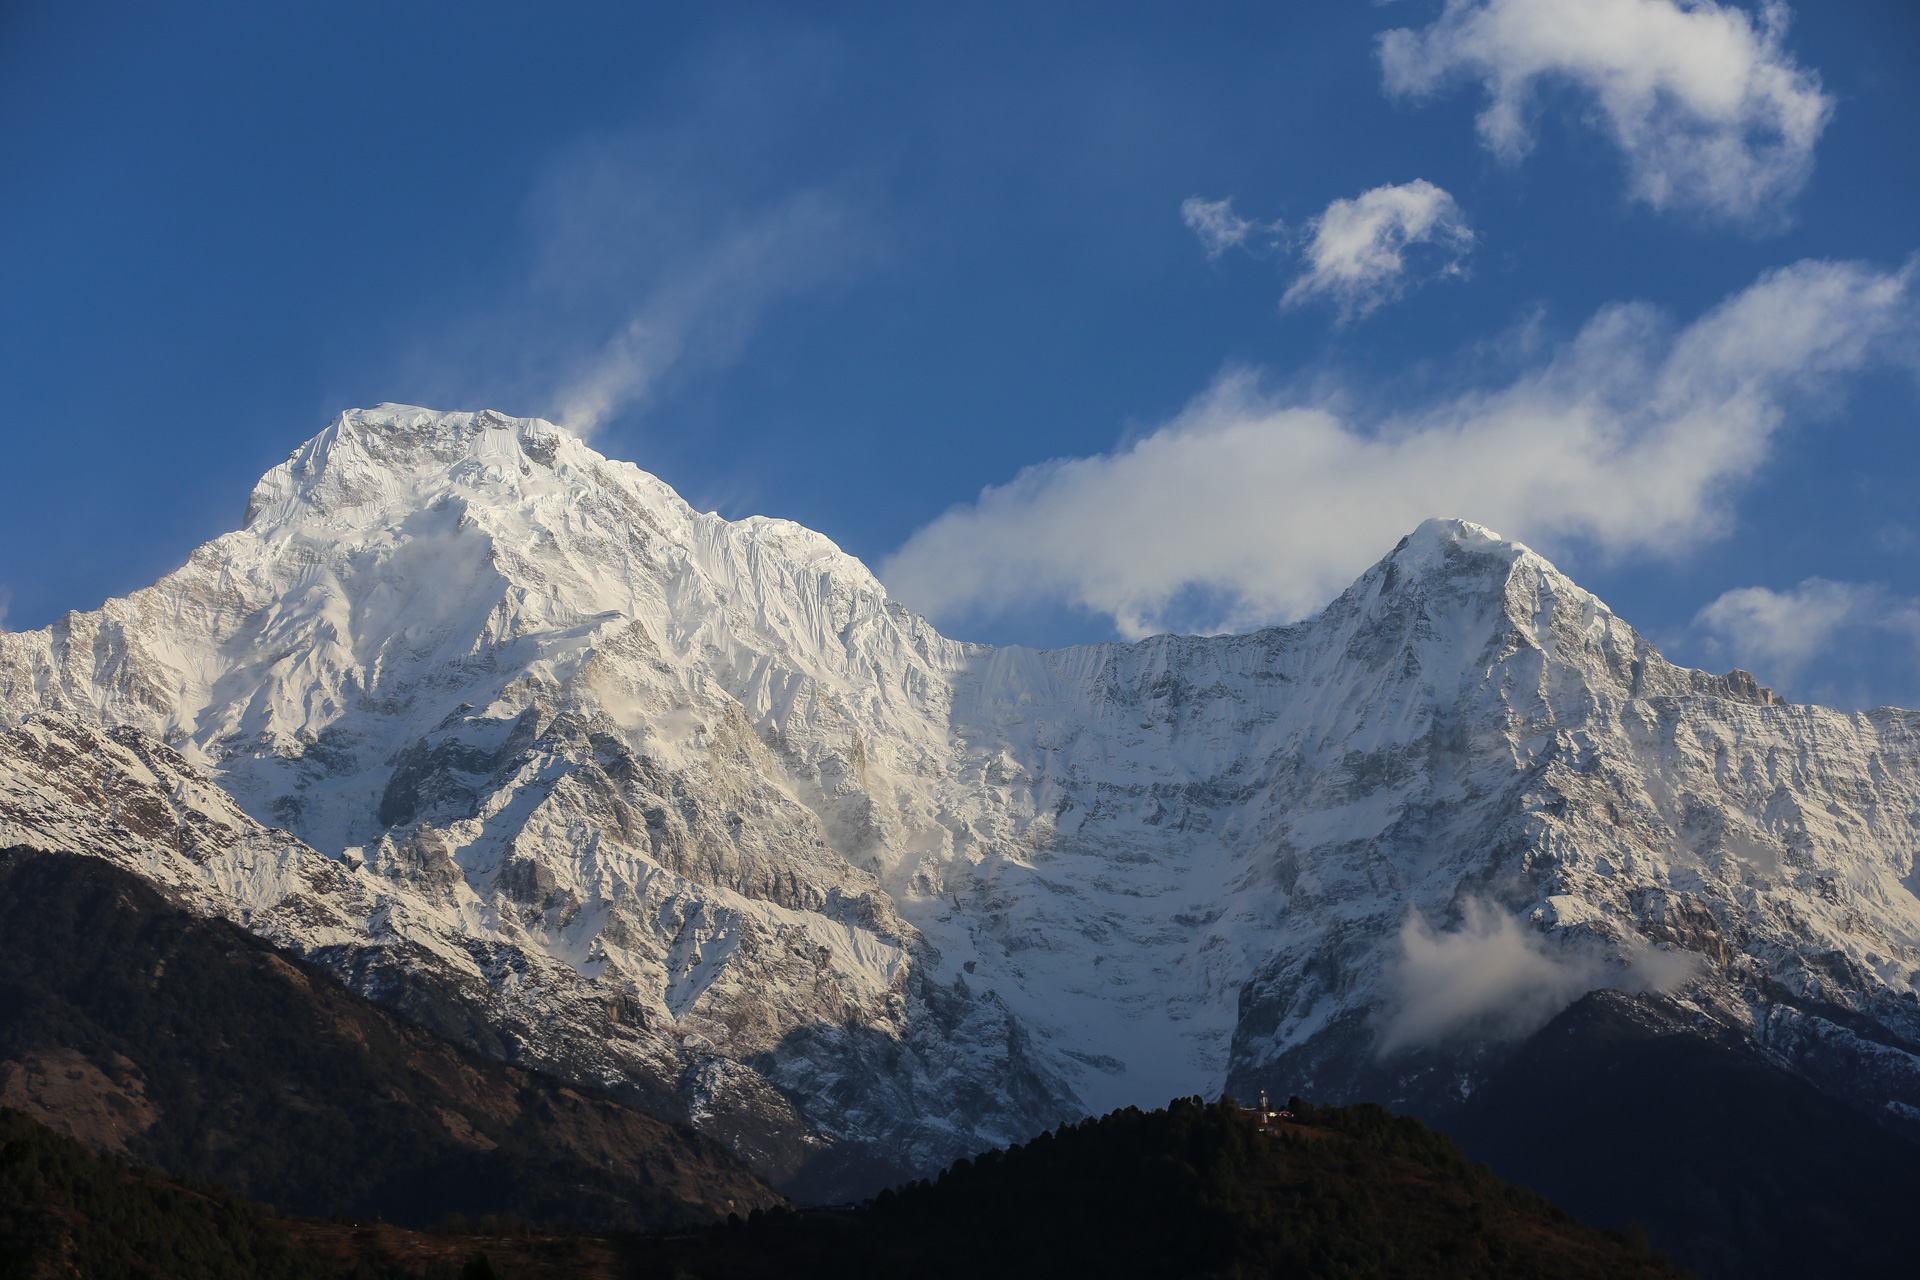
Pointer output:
521, 477
843, 885
367, 459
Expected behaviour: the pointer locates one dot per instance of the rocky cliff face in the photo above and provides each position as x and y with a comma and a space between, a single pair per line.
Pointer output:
517, 740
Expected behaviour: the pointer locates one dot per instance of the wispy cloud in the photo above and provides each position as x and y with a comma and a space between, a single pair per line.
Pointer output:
1778, 634
1633, 436
1218, 227
1495, 979
699, 314
658, 251
1491, 979
1357, 256
1709, 110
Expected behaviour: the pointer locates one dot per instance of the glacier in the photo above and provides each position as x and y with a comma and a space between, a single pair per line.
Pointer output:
506, 734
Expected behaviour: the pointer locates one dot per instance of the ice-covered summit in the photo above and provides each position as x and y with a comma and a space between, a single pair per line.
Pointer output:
1460, 560
371, 466
626, 774
369, 458
1427, 546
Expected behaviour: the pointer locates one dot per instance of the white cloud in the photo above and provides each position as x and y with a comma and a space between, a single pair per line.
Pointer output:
1633, 436
1709, 110
1357, 254
1491, 979
1495, 979
1778, 633
1217, 225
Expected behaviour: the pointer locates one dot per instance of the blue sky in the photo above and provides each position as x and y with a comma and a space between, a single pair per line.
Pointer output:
1627, 279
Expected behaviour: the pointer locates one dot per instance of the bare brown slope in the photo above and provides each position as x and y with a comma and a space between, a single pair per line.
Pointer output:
189, 1044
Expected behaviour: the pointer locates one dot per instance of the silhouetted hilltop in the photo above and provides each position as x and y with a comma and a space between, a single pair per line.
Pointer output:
67, 1212
1190, 1191
1194, 1190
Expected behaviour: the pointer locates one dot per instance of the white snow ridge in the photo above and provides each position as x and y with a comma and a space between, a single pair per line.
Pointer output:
507, 735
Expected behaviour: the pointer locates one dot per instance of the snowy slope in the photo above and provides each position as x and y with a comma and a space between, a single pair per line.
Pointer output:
866, 893
69, 786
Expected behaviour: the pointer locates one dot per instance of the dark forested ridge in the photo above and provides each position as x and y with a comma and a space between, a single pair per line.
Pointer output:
190, 1045
67, 1212
1194, 1190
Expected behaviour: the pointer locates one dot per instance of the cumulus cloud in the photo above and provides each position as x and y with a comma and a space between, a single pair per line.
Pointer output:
1633, 436
1708, 109
1357, 253
1495, 979
1778, 633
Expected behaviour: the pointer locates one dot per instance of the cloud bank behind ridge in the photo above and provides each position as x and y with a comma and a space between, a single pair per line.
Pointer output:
1812, 639
1632, 436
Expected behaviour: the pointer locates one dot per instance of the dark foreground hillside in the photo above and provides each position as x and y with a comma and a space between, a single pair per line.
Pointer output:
1620, 1111
66, 1212
1194, 1190
190, 1045
1191, 1191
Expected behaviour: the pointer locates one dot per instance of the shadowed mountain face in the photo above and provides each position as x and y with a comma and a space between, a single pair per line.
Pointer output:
1622, 1112
505, 734
189, 1044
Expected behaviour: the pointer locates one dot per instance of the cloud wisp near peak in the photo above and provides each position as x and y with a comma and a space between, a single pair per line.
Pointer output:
1633, 437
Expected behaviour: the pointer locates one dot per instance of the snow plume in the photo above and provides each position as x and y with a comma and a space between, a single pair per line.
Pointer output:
1357, 255
655, 253
1493, 978
702, 311
1708, 109
1778, 633
1632, 437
